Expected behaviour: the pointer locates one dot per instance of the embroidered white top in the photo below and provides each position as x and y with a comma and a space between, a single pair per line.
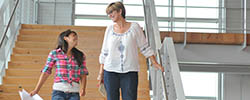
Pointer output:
119, 51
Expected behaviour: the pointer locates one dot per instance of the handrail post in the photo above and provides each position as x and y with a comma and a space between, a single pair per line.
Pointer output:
244, 23
185, 33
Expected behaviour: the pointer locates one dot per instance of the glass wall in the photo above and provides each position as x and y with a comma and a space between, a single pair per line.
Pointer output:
202, 16
92, 12
200, 85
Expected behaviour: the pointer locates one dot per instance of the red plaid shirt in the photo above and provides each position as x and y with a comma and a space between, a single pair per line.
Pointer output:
67, 69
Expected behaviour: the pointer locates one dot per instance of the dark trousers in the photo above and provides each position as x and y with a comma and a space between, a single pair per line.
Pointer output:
128, 82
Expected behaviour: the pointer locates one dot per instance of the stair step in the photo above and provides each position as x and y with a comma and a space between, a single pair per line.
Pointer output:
24, 44
49, 81
45, 55
55, 33
40, 66
45, 89
45, 51
15, 96
62, 27
43, 58
24, 73
37, 38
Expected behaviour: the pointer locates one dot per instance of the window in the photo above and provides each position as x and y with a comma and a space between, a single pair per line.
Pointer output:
95, 1
90, 9
134, 10
132, 2
92, 22
202, 16
162, 11
200, 85
206, 3
196, 27
196, 12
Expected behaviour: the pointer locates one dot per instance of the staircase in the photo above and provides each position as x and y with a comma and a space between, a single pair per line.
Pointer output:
30, 54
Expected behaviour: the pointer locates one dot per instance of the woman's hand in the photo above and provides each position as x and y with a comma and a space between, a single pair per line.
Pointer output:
155, 64
158, 66
100, 76
33, 92
82, 92
100, 79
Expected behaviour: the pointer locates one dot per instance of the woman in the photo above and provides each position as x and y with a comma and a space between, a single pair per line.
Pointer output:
70, 69
119, 55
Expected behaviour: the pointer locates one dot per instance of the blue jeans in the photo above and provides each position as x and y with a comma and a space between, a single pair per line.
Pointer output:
59, 95
128, 82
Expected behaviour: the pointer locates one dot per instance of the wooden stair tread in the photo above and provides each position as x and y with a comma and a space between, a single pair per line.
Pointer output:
59, 27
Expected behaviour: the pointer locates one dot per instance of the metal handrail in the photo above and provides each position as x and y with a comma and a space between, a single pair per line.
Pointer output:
163, 76
155, 43
8, 25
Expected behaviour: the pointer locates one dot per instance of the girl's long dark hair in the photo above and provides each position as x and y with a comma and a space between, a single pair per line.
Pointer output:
62, 44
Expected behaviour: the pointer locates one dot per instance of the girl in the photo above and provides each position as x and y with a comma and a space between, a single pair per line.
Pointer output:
70, 69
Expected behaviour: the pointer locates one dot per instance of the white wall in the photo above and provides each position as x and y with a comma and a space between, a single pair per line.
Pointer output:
234, 17
59, 13
236, 86
28, 11
248, 16
231, 54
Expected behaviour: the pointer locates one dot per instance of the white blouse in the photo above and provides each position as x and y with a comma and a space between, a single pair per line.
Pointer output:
119, 51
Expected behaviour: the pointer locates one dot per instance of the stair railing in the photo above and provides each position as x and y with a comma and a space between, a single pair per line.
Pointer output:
9, 25
165, 85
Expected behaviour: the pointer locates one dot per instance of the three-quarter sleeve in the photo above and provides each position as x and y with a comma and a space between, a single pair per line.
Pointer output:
142, 43
104, 50
50, 62
84, 70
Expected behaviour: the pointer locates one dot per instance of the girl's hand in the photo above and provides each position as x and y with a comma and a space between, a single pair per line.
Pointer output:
82, 92
33, 92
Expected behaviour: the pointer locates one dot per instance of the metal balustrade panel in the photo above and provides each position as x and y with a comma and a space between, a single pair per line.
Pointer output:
172, 74
11, 23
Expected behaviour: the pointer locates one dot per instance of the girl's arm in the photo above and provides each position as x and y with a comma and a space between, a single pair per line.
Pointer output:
84, 83
43, 77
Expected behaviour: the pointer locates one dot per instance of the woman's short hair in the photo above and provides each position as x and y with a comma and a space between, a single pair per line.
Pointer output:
116, 6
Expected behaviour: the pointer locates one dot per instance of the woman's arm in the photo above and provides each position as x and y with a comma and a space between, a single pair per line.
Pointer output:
103, 55
100, 75
42, 79
155, 64
145, 48
84, 83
